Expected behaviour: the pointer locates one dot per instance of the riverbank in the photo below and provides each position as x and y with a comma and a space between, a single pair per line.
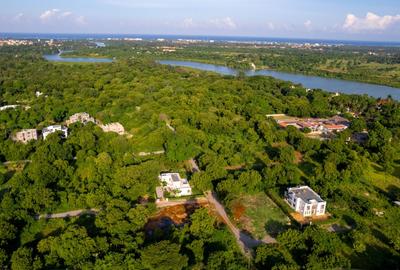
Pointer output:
318, 73
311, 82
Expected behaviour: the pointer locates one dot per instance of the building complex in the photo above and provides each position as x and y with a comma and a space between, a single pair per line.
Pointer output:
315, 125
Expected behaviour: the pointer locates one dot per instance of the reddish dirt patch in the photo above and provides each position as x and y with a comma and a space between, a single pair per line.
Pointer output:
174, 215
238, 210
306, 220
298, 157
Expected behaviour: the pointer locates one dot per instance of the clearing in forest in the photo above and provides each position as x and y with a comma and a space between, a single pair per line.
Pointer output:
258, 215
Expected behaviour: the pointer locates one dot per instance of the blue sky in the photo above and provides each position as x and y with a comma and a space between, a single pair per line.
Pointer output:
329, 19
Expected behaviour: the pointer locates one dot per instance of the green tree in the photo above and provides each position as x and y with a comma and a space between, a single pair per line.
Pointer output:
202, 223
163, 255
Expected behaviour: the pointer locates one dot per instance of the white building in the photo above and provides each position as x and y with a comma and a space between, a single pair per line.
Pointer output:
25, 135
175, 184
52, 129
83, 117
305, 201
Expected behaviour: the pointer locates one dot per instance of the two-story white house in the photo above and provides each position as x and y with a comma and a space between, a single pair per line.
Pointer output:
305, 201
175, 184
52, 129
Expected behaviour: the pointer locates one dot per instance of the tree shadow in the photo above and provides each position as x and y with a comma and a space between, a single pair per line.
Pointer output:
275, 227
349, 221
307, 168
272, 152
375, 257
392, 192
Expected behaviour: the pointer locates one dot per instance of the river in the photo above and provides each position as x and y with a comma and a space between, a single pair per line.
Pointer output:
312, 82
58, 58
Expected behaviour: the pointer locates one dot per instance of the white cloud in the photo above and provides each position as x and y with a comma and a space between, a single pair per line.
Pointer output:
308, 24
271, 26
370, 22
224, 23
59, 15
48, 14
81, 20
188, 23
65, 14
18, 17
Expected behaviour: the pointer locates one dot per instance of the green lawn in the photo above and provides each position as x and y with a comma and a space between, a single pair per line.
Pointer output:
258, 215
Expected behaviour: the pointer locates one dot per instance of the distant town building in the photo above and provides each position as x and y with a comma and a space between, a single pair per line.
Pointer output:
83, 117
315, 125
52, 129
175, 184
305, 201
113, 127
25, 135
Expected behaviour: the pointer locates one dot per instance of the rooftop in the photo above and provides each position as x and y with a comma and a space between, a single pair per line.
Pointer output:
305, 193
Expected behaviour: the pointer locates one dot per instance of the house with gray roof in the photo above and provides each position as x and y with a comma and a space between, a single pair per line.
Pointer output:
305, 201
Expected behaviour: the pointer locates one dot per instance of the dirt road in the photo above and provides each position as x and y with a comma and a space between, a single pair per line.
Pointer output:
245, 241
73, 213
199, 200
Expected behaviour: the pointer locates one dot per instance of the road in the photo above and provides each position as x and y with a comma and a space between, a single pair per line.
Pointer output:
144, 154
95, 211
16, 161
162, 204
245, 242
73, 213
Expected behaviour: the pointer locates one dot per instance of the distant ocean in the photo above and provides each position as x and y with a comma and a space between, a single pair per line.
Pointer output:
203, 38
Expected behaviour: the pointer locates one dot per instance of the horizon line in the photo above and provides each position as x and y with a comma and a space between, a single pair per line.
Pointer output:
201, 35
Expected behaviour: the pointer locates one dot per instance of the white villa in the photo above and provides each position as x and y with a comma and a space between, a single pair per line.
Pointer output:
175, 184
52, 129
82, 117
25, 135
305, 201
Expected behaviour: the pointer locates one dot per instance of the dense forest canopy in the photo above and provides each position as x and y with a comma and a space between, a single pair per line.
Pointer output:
221, 122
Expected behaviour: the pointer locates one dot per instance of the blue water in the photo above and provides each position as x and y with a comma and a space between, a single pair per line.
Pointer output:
203, 38
58, 58
312, 82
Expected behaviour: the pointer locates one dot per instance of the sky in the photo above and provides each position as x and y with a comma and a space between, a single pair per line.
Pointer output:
318, 19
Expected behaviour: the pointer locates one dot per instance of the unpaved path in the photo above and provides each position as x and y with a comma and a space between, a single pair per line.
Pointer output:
95, 211
74, 213
245, 241
162, 204
16, 162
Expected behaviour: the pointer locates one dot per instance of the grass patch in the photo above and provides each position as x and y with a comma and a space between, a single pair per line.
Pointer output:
386, 182
258, 215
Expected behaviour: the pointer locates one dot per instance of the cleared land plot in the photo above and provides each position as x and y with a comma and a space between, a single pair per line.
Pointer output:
176, 215
258, 215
